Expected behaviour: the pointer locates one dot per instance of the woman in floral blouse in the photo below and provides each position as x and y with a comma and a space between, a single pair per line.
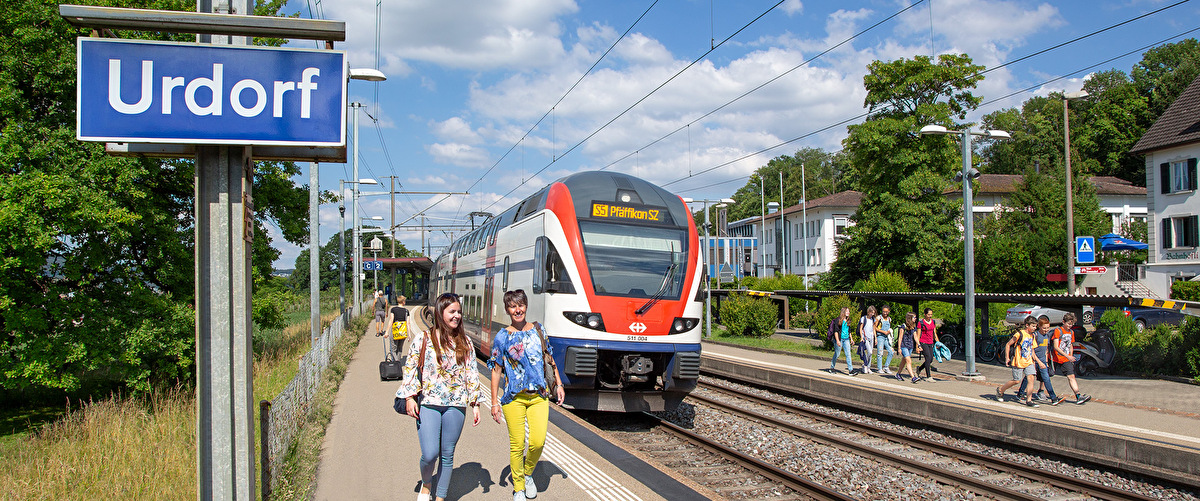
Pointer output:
447, 383
517, 353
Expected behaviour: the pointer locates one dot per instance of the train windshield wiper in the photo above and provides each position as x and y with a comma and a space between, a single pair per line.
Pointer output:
667, 277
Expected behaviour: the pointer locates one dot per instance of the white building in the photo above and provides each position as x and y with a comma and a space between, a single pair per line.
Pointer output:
796, 236
1171, 147
1123, 201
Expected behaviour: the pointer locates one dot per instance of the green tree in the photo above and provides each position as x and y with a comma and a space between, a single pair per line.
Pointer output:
1163, 74
905, 223
96, 272
1015, 251
1037, 137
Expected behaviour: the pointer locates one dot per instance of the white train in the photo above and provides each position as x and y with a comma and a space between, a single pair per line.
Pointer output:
612, 269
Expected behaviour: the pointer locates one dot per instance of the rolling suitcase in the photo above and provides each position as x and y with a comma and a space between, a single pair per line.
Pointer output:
390, 369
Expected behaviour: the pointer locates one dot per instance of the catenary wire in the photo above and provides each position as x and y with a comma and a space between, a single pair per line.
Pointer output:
639, 101
991, 101
764, 84
986, 70
560, 99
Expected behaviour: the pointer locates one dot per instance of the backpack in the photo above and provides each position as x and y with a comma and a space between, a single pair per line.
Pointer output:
831, 334
1055, 340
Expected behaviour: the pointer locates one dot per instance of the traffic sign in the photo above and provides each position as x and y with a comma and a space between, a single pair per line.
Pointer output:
1086, 270
159, 92
1085, 250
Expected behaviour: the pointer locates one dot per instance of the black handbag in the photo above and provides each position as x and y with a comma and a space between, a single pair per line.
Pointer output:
398, 404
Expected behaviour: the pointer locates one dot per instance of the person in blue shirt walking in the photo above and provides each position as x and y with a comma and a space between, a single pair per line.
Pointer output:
517, 355
839, 330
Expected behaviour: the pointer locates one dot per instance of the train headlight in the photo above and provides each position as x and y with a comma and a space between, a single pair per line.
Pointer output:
682, 324
587, 319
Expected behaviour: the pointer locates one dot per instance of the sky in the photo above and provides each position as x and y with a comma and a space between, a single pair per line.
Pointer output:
500, 98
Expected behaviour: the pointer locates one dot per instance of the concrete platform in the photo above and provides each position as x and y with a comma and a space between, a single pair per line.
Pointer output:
370, 452
1148, 425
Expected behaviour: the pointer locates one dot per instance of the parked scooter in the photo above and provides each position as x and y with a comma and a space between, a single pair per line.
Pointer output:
1094, 352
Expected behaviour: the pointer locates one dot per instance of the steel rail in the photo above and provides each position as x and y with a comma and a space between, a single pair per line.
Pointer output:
1092, 489
798, 483
910, 465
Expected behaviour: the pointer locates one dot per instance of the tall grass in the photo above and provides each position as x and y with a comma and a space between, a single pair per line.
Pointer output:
138, 448
120, 448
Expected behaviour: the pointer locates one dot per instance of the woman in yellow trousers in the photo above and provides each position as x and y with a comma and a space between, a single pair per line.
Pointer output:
517, 354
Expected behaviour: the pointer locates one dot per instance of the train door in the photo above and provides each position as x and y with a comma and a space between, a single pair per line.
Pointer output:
536, 293
486, 332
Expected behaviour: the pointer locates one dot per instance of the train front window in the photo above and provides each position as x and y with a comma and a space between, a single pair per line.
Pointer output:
634, 261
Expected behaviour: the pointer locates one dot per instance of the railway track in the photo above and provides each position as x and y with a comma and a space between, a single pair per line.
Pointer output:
951, 466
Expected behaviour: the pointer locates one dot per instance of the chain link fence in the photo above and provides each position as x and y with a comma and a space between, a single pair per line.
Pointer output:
280, 418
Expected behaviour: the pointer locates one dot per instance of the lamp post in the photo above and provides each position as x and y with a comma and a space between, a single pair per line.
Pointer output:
1068, 97
342, 244
704, 257
804, 226
370, 75
966, 175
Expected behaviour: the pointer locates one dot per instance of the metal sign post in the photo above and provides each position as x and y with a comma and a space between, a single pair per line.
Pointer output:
217, 106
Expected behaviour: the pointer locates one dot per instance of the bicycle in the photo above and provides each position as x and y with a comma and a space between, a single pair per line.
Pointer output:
947, 336
988, 348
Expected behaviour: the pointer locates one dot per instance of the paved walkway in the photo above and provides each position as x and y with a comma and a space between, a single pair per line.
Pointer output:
370, 452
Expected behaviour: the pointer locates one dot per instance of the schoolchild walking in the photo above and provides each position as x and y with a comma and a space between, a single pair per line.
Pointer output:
1024, 365
883, 340
440, 382
908, 343
1041, 345
1063, 342
519, 353
866, 337
839, 332
929, 336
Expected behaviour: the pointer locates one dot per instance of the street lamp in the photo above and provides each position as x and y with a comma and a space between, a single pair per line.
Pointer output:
966, 175
357, 257
1068, 97
704, 257
370, 75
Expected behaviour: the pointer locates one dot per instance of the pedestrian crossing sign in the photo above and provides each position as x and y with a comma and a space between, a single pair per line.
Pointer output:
1085, 250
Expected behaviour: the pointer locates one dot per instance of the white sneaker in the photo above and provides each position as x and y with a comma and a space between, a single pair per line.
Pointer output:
866, 370
518, 496
530, 488
887, 370
423, 496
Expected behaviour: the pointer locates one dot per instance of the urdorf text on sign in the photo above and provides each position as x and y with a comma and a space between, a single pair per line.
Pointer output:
158, 92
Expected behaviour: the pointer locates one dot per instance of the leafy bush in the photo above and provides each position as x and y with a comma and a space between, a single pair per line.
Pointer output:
831, 307
745, 315
1165, 349
1185, 290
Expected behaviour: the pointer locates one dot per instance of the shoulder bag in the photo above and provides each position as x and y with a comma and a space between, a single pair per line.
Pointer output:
549, 368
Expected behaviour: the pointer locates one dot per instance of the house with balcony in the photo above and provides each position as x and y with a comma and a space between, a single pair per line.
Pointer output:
1171, 147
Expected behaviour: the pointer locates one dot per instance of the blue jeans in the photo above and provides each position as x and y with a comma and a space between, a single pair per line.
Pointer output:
842, 345
438, 430
881, 343
1043, 375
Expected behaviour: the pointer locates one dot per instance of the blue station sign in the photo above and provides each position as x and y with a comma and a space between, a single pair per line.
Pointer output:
159, 92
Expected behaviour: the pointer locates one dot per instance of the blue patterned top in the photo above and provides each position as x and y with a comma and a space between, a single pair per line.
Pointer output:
444, 382
519, 356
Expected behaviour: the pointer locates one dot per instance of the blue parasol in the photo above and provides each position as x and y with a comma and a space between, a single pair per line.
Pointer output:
1115, 242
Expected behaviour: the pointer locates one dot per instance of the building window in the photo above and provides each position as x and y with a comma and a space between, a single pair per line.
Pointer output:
1178, 176
1178, 232
839, 226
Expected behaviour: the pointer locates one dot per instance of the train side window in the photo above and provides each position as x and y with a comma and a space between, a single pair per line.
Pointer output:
504, 278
